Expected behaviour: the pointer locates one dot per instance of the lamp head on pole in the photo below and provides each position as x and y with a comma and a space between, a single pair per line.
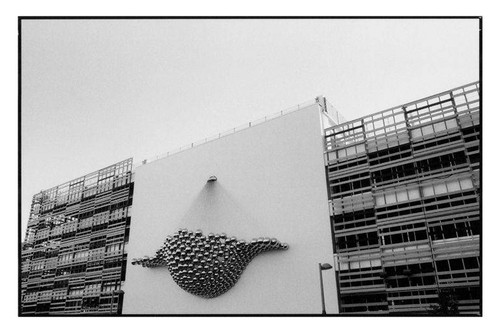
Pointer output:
324, 267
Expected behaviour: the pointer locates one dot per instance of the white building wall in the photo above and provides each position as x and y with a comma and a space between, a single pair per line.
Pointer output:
271, 183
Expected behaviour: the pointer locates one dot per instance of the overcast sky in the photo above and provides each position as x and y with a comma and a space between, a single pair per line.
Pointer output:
95, 92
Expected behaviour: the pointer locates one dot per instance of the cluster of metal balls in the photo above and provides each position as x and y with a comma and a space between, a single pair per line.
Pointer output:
207, 266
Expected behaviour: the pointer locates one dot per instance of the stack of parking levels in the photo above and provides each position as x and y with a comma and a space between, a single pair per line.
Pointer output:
73, 258
404, 193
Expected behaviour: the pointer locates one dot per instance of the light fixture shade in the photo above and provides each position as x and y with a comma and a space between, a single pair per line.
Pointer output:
207, 266
326, 266
212, 179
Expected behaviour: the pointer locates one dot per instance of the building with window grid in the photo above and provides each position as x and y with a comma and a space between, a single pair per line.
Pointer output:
404, 192
73, 259
402, 185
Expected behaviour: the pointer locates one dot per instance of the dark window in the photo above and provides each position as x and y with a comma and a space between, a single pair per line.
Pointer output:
456, 264
471, 263
421, 234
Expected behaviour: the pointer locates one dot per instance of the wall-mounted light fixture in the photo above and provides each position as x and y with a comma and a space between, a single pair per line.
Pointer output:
212, 179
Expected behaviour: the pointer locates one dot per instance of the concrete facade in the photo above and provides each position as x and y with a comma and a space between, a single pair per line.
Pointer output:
271, 183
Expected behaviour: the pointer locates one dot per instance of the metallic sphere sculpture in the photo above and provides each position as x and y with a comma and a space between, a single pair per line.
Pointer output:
207, 266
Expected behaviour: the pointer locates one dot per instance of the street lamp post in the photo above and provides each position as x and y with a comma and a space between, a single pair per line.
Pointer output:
119, 292
323, 267
112, 301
